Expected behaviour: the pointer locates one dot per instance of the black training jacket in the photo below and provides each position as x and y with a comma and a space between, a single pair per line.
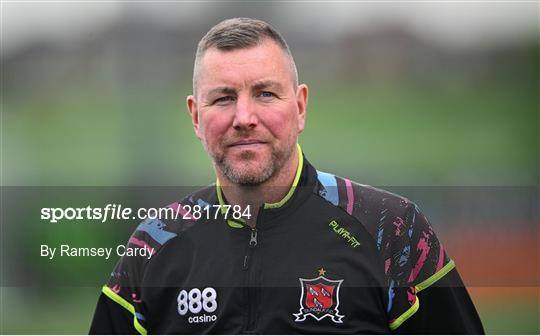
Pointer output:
333, 257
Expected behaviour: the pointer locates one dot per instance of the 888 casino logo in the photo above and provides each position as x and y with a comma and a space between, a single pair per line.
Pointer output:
197, 304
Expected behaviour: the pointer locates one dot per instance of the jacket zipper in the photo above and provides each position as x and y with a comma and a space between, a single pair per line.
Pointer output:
250, 291
251, 248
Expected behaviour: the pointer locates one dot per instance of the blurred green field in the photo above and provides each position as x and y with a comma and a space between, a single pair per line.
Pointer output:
416, 135
510, 317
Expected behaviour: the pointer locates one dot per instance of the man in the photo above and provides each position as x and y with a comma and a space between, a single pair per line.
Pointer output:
299, 251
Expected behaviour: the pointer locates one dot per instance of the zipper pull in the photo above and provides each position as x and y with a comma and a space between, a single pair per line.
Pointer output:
253, 240
252, 244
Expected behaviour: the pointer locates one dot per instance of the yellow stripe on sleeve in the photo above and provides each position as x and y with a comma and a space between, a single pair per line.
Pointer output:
420, 287
435, 277
121, 301
405, 316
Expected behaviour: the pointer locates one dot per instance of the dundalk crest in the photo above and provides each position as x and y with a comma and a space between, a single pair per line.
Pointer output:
319, 299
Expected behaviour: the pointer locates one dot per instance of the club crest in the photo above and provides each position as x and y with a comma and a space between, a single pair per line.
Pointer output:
319, 299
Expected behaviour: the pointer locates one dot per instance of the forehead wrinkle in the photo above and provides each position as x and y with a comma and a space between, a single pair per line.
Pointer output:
227, 60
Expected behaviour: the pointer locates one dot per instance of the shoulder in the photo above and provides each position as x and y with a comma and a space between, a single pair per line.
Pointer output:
371, 206
167, 223
403, 235
174, 219
153, 235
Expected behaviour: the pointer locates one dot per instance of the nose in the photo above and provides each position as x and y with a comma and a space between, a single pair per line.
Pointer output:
245, 116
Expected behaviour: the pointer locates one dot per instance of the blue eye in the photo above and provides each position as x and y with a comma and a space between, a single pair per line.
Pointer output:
267, 94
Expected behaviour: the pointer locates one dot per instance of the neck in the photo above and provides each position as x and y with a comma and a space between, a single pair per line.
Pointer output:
271, 191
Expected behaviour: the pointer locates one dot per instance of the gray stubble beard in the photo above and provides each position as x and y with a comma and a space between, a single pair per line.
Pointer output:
270, 169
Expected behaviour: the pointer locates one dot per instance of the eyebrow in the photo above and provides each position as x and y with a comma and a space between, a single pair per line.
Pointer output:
221, 89
267, 84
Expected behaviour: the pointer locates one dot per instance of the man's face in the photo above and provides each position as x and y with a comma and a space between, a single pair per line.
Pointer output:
248, 112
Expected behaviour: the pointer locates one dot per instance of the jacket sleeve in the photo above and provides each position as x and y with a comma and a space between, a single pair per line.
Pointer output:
111, 318
426, 294
444, 308
121, 308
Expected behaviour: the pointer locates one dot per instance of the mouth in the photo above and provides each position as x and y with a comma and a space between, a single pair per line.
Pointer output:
247, 143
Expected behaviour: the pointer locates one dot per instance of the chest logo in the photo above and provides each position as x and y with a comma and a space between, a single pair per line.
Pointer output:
319, 299
196, 302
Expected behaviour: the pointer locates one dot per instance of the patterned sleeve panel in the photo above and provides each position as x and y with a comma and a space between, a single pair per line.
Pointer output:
125, 282
414, 260
412, 255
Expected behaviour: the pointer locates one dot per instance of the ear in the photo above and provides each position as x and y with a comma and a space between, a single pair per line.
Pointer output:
194, 113
301, 101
